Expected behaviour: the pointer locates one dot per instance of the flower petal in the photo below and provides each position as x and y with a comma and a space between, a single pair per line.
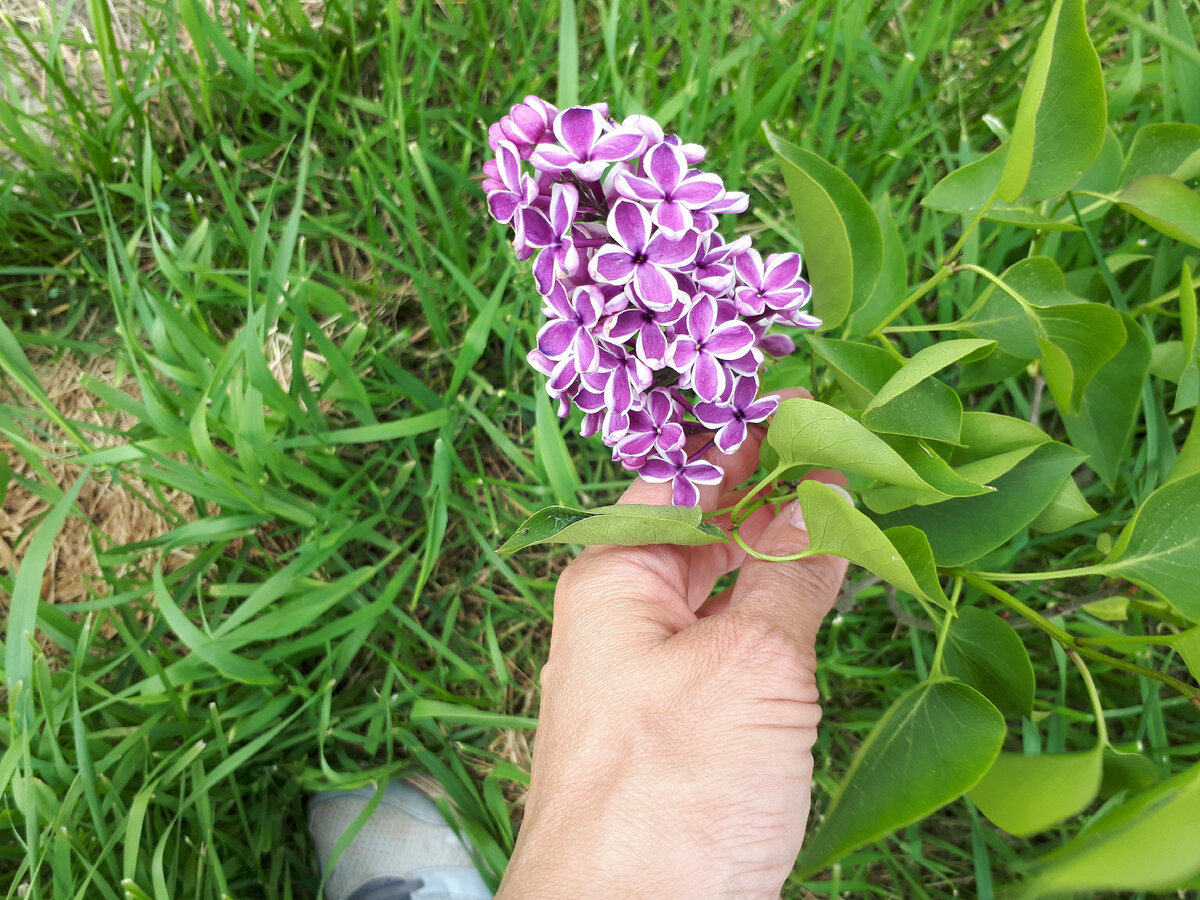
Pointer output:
612, 265
554, 338
577, 129
708, 377
665, 166
674, 253
672, 218
652, 284
618, 145
699, 190
731, 437
503, 205
729, 341
685, 493
639, 189
552, 158
629, 225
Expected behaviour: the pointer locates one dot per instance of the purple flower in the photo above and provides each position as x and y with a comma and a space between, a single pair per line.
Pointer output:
776, 286
674, 465
527, 124
713, 270
570, 331
517, 190
730, 417
642, 257
647, 328
656, 427
777, 345
553, 234
669, 189
622, 378
700, 350
647, 309
586, 144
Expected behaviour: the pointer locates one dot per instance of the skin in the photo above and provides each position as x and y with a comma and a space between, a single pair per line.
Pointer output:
674, 750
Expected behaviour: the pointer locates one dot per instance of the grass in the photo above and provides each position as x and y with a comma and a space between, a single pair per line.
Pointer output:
268, 228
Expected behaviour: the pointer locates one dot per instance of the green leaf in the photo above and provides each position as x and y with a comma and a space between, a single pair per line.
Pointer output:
1066, 508
1188, 461
1148, 843
1104, 425
992, 444
843, 246
892, 285
1163, 148
1076, 341
1126, 772
1003, 319
968, 189
984, 651
807, 433
912, 402
626, 524
1165, 204
965, 528
860, 369
1160, 547
933, 744
1187, 395
1075, 338
21, 616
1062, 116
1027, 793
1187, 645
904, 559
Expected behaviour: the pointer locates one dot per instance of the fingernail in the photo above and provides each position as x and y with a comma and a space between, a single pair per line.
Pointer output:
795, 515
841, 490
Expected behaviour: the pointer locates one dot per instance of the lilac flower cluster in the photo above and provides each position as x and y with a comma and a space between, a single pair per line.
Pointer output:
644, 299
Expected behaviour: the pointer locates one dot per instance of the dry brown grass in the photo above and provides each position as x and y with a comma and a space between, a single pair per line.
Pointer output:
109, 512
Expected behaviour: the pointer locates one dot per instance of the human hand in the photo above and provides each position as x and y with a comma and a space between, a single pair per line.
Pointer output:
673, 754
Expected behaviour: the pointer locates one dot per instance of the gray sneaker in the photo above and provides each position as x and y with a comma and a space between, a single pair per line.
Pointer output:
405, 851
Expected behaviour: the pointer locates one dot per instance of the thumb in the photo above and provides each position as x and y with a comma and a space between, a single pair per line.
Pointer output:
789, 597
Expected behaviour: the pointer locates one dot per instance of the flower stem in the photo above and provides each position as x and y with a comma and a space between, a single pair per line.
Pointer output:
1093, 696
934, 280
1069, 642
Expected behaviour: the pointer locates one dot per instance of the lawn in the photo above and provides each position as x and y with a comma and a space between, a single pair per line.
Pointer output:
266, 416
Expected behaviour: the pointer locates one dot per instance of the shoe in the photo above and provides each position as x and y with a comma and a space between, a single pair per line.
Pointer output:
405, 851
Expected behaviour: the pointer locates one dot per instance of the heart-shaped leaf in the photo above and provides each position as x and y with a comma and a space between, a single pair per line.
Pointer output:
900, 556
1104, 425
1062, 116
1076, 341
843, 246
1126, 772
860, 369
1187, 645
1165, 204
806, 433
965, 528
626, 524
1160, 547
1027, 793
1147, 843
1163, 148
984, 651
933, 744
892, 284
1066, 508
912, 402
